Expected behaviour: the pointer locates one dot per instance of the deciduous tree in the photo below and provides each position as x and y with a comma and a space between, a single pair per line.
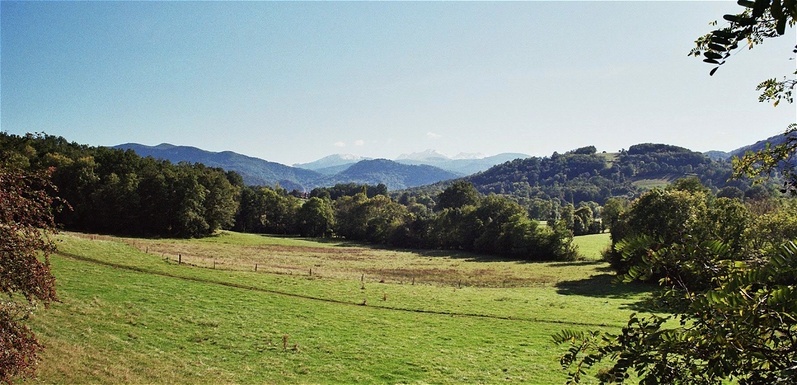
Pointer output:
315, 218
26, 230
743, 326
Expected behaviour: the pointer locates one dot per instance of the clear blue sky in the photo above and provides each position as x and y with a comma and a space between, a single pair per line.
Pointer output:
292, 82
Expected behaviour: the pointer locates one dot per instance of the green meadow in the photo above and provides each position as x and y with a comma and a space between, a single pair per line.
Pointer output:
241, 308
592, 246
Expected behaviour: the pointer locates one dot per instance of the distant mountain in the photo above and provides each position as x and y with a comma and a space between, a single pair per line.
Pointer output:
257, 171
462, 164
469, 155
465, 166
757, 146
760, 145
254, 171
428, 155
717, 155
334, 169
332, 164
393, 174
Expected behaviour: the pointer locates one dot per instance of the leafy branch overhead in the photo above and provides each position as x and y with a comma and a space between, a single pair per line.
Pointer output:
727, 280
760, 20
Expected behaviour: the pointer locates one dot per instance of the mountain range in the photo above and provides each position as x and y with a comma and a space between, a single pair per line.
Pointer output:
406, 171
322, 173
462, 164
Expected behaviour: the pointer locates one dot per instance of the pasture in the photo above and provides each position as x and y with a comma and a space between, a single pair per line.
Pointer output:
196, 311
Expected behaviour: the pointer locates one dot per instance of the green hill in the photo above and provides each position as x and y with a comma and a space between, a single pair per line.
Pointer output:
586, 175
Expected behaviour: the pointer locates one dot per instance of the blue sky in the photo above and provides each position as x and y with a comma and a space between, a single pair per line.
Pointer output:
292, 82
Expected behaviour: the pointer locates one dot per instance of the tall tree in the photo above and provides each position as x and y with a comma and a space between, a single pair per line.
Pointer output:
315, 218
458, 195
221, 200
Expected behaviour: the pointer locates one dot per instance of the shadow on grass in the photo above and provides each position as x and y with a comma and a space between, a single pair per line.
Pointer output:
337, 242
465, 255
470, 256
583, 263
606, 286
430, 253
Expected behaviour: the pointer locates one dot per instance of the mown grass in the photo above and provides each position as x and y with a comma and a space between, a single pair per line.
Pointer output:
591, 246
128, 316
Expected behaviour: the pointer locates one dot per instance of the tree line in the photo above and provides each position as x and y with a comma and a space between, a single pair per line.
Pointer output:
118, 192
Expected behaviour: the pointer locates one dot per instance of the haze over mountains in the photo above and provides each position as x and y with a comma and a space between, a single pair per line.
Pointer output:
462, 164
406, 171
324, 172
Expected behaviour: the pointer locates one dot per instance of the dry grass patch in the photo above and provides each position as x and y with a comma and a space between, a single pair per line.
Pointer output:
296, 256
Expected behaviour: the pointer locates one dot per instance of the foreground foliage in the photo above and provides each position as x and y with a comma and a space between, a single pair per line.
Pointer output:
745, 329
26, 227
734, 297
723, 273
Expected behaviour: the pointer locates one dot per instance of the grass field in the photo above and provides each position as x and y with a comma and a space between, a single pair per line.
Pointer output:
129, 313
591, 246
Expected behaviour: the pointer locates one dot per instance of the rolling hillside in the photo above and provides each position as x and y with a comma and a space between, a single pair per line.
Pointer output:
586, 175
257, 171
254, 171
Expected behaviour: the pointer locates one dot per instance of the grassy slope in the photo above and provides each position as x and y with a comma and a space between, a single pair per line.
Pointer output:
131, 317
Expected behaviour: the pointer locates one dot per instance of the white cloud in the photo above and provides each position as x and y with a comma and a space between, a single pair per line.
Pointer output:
339, 144
359, 142
432, 135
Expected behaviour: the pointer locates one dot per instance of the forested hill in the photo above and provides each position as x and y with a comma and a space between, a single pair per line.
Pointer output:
586, 175
762, 144
254, 171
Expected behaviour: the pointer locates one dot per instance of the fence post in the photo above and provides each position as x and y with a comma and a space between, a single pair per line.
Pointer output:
179, 259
